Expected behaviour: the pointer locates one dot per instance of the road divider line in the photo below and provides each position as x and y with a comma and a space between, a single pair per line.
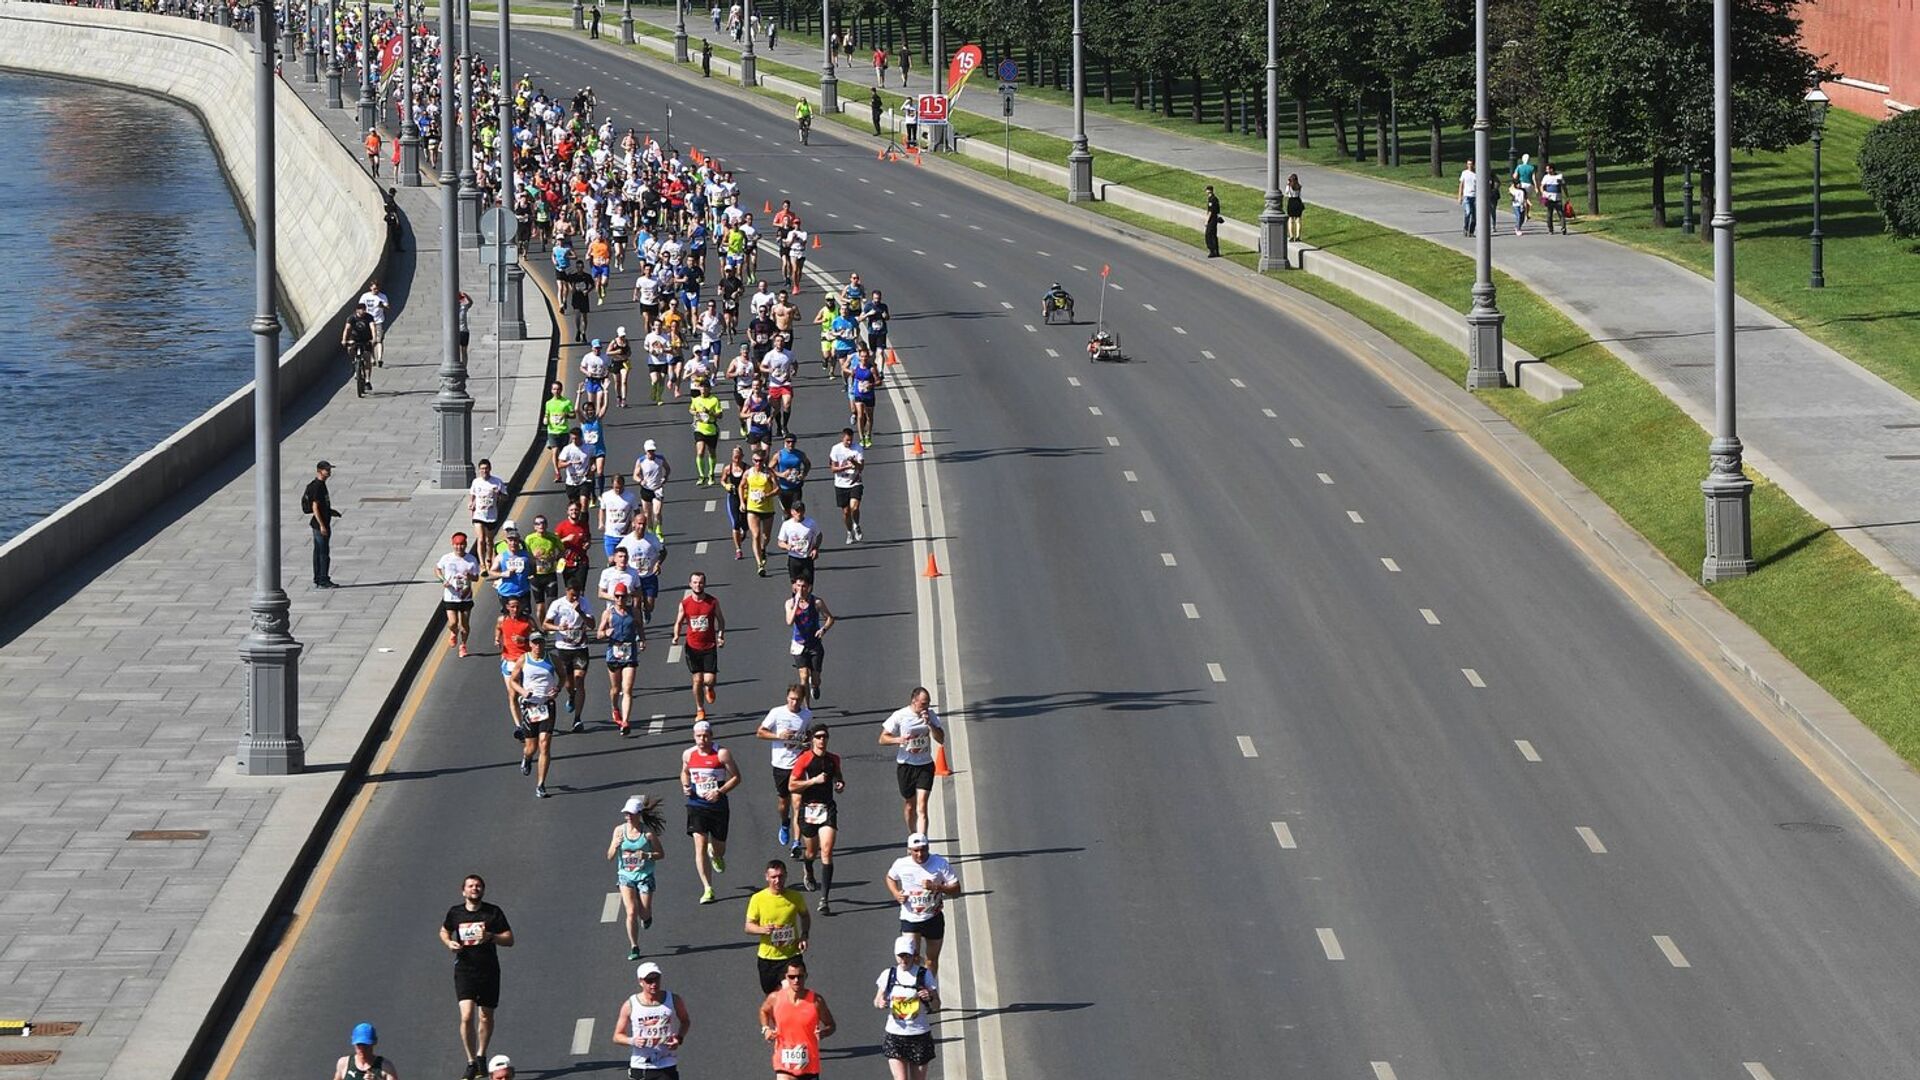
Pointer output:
1473, 678
1238, 384
1095, 410
1246, 746
1216, 673
1354, 516
1180, 330
1190, 611
1526, 750
1132, 477
1671, 951
1055, 353
1166, 557
1427, 614
1296, 444
981, 285
1392, 567
1008, 304
657, 723
1270, 414
1206, 354
1382, 1071
1147, 516
610, 907
1031, 329
700, 548
1324, 478
1591, 839
1072, 381
1283, 833
1148, 306
582, 1035
1330, 943
1756, 1070
1113, 440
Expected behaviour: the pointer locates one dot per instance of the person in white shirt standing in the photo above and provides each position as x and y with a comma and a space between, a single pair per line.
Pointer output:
1469, 199
376, 304
848, 462
457, 570
484, 499
920, 882
914, 730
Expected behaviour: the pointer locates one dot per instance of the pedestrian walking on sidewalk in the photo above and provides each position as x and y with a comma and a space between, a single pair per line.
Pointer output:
373, 152
1213, 224
318, 506
706, 58
879, 66
1469, 187
877, 106
906, 62
1296, 206
1553, 196
1517, 193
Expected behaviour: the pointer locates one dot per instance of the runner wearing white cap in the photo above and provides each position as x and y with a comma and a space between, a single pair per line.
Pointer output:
653, 1025
650, 474
500, 1068
910, 994
636, 845
920, 882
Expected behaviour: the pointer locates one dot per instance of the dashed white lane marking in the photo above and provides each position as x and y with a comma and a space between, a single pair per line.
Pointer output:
711, 503
950, 266
804, 202
1330, 943
1190, 611
830, 213
1180, 330
887, 190
1206, 354
657, 724
1246, 746
1427, 614
725, 434
975, 228
700, 548
1008, 304
1149, 307
836, 168
1392, 567
1296, 444
913, 202
1238, 384
859, 226
1473, 678
1671, 951
1591, 839
1080, 268
1215, 673
1006, 239
1072, 381
1147, 516
582, 1035
917, 251
610, 907
1043, 254
946, 215
864, 180
1095, 410
1283, 833
673, 654
1757, 1070
979, 284
1031, 329
1166, 559
889, 239
1382, 1071
1526, 750
1053, 353
1118, 288
1270, 414
1113, 440
1354, 516
1324, 478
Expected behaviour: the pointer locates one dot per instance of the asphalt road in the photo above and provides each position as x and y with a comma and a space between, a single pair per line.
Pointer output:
1235, 582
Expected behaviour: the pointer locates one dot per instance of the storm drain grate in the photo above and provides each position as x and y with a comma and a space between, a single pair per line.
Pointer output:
167, 834
28, 1057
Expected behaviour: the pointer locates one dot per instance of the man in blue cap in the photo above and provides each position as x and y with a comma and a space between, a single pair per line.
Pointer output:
363, 1063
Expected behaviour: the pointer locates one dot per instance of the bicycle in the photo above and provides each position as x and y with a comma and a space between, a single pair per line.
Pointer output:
360, 355
806, 125
1055, 302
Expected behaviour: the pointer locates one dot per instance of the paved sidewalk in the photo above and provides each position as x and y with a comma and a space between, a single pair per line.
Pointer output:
1841, 441
122, 695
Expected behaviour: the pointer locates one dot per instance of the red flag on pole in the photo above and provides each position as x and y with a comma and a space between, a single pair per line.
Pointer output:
1105, 269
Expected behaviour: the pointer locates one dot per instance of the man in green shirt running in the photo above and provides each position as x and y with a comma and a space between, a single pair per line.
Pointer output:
545, 548
559, 419
706, 410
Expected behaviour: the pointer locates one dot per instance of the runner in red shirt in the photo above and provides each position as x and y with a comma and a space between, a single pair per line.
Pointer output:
510, 633
575, 537
706, 630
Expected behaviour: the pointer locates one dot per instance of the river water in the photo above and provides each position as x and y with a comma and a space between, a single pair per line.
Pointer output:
126, 286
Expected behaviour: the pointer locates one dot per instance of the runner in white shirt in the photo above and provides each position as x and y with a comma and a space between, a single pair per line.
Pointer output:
646, 292
576, 470
760, 301
800, 538
645, 553
569, 620
617, 508
619, 573
847, 462
376, 304
920, 882
650, 473
484, 499
914, 730
457, 570
910, 994
593, 379
786, 728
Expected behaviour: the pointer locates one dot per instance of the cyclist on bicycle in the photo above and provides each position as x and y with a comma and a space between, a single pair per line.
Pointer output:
357, 338
803, 115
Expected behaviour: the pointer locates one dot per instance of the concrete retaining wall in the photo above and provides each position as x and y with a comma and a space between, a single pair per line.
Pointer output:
332, 241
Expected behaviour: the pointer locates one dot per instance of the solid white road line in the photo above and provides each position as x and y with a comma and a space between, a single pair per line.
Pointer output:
1147, 516
1392, 567
1757, 1070
1284, 834
700, 548
1427, 614
1190, 611
1591, 839
1671, 951
1473, 678
1132, 477
582, 1035
657, 724
1324, 478
1382, 1071
610, 909
1330, 943
1526, 750
1166, 558
1215, 673
1296, 444
1246, 746
1354, 516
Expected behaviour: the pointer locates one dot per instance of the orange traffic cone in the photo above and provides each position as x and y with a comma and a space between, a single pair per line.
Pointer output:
880, 156
893, 358
916, 159
816, 242
940, 766
767, 207
919, 448
933, 568
893, 155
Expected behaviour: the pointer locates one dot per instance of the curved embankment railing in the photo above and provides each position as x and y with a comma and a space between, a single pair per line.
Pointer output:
332, 241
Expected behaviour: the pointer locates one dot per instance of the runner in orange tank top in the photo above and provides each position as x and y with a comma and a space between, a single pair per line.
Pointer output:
794, 1019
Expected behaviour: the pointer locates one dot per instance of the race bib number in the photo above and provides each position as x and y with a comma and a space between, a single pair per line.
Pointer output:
591, 437
461, 587
795, 1059
653, 1031
918, 742
699, 622
516, 566
620, 652
814, 813
536, 710
706, 785
923, 902
471, 932
631, 861
796, 647
782, 936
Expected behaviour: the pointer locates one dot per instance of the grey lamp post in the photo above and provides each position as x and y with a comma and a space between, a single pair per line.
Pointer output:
680, 54
937, 69
1817, 102
1079, 157
1686, 198
1484, 321
579, 15
311, 57
829, 82
409, 123
747, 66
453, 404
334, 73
513, 323
1727, 490
462, 132
626, 22
1273, 215
369, 108
288, 42
271, 745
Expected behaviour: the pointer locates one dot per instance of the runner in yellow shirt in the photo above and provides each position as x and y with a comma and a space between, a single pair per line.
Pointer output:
778, 916
705, 409
759, 496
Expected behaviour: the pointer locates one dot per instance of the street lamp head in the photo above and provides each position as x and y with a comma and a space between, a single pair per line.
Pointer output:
1817, 102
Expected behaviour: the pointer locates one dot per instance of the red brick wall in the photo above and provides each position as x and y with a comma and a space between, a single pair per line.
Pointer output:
1872, 41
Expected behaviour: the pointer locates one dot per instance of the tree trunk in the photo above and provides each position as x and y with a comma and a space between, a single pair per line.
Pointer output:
1226, 108
1137, 95
1199, 108
1433, 147
1659, 193
1106, 80
1340, 129
1153, 93
1704, 185
1359, 132
1543, 144
1166, 95
1380, 144
1301, 137
1593, 182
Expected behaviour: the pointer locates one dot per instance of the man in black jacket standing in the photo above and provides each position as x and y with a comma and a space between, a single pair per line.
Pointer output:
320, 514
1213, 224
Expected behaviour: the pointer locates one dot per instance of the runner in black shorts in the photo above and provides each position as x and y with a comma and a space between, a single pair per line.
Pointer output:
816, 779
